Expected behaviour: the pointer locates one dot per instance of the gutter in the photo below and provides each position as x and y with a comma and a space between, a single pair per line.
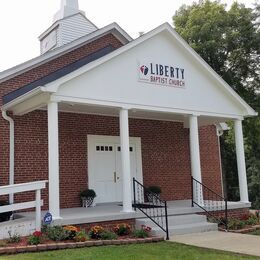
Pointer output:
11, 152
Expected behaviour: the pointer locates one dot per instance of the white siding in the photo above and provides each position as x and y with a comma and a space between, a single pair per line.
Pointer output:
73, 28
68, 29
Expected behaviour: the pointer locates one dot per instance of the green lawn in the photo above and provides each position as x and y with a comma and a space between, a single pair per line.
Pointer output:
163, 250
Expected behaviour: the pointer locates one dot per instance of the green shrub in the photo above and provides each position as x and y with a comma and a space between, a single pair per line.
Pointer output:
96, 231
252, 220
35, 238
140, 233
32, 240
15, 238
122, 229
3, 243
57, 233
154, 189
81, 236
88, 193
235, 224
108, 235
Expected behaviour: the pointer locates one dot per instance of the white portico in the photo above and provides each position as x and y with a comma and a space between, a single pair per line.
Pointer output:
122, 83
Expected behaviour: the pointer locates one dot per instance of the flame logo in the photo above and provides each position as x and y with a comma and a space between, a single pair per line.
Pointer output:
144, 69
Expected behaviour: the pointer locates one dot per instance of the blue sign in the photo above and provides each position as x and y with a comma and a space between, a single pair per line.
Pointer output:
47, 218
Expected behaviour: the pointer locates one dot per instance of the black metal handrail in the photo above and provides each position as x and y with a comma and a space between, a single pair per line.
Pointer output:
151, 205
212, 202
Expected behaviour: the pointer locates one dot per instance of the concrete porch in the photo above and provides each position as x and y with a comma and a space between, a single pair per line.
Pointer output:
114, 211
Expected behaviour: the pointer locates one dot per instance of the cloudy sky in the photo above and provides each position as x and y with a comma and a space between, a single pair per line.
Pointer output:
22, 21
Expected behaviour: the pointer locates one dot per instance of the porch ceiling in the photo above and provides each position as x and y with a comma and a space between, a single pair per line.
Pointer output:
137, 113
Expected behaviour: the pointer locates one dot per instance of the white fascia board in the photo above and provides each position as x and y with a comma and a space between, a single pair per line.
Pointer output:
161, 28
116, 104
48, 56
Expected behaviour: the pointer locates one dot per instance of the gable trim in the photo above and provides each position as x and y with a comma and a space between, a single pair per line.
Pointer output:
57, 74
163, 27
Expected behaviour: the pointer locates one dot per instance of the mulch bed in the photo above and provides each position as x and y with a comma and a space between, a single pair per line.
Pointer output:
22, 246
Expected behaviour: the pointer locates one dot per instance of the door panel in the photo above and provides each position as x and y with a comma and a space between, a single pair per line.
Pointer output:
104, 172
133, 168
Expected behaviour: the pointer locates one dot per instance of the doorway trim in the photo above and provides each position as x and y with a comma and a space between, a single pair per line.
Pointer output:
115, 140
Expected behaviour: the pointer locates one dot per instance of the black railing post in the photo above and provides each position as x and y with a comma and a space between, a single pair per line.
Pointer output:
192, 204
226, 215
134, 194
166, 221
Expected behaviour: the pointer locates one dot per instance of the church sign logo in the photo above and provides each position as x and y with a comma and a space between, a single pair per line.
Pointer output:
161, 74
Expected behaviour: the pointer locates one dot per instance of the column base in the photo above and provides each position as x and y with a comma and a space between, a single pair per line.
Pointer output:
127, 211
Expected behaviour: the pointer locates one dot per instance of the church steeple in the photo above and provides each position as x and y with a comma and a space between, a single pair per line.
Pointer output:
69, 24
67, 8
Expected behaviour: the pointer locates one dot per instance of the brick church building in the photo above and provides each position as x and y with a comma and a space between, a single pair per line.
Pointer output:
98, 108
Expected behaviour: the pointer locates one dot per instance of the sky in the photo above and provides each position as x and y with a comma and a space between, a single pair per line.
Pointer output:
22, 21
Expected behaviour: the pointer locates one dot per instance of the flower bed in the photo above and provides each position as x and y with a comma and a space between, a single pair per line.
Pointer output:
245, 224
58, 237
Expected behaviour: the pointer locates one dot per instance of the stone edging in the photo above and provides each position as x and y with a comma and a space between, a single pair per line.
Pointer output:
62, 245
246, 230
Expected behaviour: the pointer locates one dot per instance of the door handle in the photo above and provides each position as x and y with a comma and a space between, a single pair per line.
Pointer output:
114, 177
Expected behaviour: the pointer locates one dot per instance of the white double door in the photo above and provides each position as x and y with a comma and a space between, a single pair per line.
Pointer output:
105, 174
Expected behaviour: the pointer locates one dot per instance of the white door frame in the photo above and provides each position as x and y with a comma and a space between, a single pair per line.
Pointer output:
92, 139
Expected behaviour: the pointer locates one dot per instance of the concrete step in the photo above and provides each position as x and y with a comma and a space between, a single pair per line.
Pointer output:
187, 229
174, 220
180, 224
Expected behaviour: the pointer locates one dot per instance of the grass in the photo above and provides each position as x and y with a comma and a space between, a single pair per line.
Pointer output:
163, 250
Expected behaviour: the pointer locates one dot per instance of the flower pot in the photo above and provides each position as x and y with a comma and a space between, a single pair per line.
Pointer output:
152, 198
88, 202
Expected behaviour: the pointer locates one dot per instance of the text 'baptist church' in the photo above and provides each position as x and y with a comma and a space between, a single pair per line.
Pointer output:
162, 74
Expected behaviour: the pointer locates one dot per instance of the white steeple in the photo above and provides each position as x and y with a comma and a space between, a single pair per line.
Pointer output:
69, 24
67, 8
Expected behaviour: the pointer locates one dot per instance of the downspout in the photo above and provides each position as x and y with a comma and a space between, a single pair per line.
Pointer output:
11, 152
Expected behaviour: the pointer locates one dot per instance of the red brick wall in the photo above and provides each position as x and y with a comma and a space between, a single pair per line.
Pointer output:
165, 153
232, 213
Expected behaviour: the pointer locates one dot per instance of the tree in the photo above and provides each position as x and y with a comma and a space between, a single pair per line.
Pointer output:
229, 41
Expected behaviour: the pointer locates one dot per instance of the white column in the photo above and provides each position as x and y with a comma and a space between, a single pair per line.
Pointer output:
53, 144
241, 165
195, 158
125, 161
38, 210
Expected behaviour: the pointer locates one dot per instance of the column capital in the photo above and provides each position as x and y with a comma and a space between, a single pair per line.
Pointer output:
194, 115
125, 108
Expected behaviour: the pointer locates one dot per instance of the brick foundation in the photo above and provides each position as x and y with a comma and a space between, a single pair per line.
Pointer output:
232, 213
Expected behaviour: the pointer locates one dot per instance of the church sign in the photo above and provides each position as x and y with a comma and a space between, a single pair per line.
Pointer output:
161, 74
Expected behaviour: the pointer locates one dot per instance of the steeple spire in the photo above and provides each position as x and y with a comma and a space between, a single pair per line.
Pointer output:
70, 3
67, 8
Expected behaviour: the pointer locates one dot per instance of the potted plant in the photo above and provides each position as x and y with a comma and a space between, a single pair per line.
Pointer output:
87, 197
153, 193
6, 215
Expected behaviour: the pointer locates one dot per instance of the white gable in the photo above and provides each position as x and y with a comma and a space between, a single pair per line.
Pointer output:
117, 80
